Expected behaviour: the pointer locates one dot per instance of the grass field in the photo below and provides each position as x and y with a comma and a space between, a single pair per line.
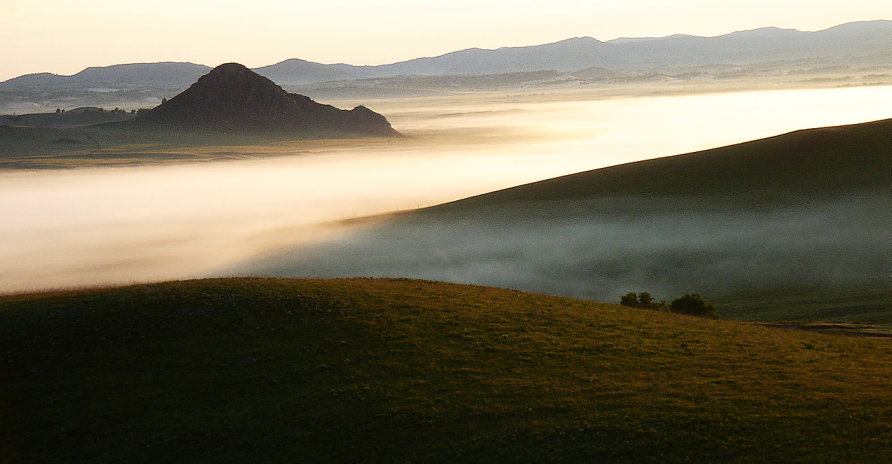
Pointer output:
266, 370
864, 303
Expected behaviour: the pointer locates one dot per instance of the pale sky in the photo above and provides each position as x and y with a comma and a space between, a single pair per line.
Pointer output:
65, 36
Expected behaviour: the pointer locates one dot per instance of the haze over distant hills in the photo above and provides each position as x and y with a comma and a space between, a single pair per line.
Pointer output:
866, 39
861, 42
165, 74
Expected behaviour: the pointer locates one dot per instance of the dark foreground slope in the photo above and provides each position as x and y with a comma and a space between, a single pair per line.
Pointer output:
788, 227
255, 370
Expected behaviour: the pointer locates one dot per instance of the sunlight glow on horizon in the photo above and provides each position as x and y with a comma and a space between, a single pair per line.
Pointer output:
65, 37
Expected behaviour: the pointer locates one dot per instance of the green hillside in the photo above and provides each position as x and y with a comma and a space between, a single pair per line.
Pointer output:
262, 370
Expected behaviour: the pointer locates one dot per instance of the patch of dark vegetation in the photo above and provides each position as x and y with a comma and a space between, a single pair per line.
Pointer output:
641, 300
691, 304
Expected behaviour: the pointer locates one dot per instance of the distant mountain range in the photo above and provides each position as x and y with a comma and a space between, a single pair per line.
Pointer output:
166, 74
868, 41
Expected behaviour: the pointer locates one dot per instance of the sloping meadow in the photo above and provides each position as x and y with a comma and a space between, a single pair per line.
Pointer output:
236, 370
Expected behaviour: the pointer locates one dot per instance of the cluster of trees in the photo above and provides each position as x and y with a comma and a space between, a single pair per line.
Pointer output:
690, 303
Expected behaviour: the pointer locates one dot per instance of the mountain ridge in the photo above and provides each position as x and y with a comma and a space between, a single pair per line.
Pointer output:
166, 73
844, 41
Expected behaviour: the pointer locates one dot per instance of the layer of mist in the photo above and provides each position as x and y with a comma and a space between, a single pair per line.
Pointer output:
89, 226
590, 249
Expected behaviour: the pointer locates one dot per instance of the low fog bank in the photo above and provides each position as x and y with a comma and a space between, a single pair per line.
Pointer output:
591, 251
95, 226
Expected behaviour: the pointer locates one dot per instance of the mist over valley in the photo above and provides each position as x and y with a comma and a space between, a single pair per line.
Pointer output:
244, 172
278, 209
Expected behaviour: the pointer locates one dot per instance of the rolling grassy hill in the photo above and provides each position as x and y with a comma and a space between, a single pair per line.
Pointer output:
809, 165
263, 370
788, 227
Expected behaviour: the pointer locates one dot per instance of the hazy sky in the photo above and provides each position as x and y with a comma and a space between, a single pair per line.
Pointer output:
65, 36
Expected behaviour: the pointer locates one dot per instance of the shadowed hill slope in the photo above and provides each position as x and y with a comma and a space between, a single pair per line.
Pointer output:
788, 227
811, 163
263, 370
232, 97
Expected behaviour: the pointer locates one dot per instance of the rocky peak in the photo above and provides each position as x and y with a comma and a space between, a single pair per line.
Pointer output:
231, 97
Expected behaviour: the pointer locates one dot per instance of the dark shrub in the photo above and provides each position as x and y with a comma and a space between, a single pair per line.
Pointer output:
645, 300
693, 304
629, 299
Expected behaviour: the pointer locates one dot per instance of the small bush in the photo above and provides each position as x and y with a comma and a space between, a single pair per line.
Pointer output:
629, 299
642, 300
645, 300
693, 304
